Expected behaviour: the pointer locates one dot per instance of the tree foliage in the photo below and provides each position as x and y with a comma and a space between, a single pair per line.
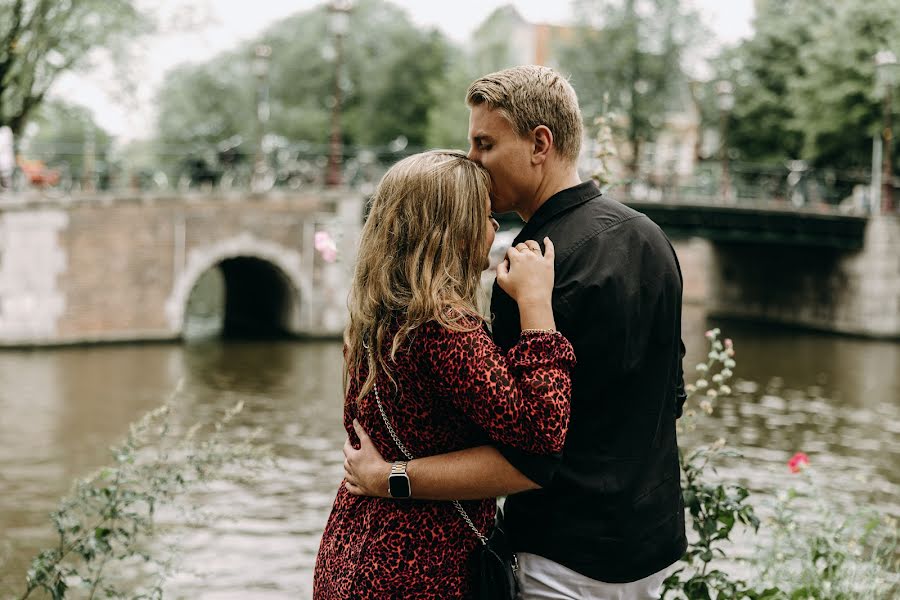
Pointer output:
392, 75
62, 135
805, 82
631, 52
39, 39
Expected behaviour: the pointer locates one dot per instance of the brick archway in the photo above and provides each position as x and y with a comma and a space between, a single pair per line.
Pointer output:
261, 259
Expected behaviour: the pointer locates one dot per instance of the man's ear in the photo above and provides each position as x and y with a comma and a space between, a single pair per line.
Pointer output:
543, 142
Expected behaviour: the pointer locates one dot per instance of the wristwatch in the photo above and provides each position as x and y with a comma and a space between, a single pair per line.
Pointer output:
398, 481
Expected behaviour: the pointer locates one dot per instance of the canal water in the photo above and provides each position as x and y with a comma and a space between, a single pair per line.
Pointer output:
837, 399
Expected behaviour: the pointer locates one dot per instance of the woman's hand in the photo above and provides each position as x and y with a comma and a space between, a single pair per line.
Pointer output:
365, 471
527, 273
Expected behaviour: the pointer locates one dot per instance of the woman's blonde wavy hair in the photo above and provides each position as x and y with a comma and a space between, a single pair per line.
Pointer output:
421, 254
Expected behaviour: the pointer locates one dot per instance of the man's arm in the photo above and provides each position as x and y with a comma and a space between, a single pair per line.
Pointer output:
469, 474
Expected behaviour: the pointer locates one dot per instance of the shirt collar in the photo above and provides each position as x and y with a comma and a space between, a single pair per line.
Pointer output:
557, 204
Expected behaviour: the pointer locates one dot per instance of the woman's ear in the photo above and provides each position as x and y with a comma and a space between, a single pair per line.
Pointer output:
543, 142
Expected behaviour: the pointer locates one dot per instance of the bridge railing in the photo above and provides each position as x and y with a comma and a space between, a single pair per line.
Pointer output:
233, 165
793, 185
60, 171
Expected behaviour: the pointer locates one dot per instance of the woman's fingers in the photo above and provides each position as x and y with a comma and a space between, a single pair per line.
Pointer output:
549, 250
503, 270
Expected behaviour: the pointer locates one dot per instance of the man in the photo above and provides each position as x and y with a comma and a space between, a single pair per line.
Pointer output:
605, 518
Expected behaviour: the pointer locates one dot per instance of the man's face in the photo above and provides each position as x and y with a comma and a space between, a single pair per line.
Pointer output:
506, 156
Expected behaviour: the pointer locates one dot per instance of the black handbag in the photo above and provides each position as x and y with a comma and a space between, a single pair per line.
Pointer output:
496, 566
494, 562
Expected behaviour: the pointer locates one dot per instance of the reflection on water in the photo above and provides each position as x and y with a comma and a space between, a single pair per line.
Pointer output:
833, 397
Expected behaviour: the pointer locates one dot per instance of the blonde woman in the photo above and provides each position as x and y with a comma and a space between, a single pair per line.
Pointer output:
420, 361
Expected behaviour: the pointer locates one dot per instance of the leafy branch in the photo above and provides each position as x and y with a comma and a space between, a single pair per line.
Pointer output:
109, 517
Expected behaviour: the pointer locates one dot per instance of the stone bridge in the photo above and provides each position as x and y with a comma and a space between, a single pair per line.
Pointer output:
103, 269
813, 268
127, 268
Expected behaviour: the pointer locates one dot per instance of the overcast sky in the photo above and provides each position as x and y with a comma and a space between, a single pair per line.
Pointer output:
222, 24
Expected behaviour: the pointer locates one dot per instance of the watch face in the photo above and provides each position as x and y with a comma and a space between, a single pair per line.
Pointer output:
398, 485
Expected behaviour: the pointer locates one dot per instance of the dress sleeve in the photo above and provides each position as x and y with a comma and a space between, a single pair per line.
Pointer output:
520, 398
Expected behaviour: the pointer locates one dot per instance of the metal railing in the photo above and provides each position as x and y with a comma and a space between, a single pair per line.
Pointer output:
234, 166
793, 185
226, 167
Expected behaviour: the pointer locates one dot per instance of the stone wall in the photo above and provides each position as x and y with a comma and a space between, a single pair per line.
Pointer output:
123, 269
102, 269
853, 292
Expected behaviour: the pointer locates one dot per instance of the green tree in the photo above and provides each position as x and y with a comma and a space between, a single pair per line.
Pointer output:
201, 105
39, 39
448, 118
805, 82
389, 82
67, 134
837, 108
631, 52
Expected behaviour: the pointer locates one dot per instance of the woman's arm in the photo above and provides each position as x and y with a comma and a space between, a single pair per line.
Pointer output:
520, 399
470, 474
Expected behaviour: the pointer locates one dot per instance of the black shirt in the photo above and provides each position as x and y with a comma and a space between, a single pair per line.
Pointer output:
611, 505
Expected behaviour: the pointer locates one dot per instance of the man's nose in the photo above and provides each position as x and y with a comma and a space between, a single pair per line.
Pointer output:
473, 155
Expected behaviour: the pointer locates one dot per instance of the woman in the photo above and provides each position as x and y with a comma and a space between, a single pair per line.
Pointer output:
417, 344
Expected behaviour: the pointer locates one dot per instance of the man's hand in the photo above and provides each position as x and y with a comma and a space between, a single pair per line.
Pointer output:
365, 471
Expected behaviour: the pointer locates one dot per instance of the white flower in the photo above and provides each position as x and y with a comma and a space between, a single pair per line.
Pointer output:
713, 355
712, 393
717, 378
717, 345
730, 364
725, 390
701, 384
706, 405
702, 367
726, 373
690, 388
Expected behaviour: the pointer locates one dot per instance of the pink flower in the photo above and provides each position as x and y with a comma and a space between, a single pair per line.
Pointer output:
709, 334
798, 462
729, 343
325, 246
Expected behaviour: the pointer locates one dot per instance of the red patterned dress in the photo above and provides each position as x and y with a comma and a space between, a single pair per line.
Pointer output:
456, 390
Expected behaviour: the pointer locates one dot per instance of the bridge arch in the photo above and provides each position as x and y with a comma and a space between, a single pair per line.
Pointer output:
267, 287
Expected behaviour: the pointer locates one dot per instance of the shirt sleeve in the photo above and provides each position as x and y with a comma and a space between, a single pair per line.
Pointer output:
520, 398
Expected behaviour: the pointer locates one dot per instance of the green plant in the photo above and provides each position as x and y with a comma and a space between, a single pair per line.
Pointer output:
819, 551
815, 551
107, 523
714, 506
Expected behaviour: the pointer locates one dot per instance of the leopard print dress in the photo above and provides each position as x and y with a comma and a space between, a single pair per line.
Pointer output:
454, 390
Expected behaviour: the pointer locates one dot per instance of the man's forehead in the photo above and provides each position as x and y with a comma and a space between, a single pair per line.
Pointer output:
485, 122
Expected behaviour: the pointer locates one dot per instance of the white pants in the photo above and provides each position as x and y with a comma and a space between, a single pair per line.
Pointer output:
542, 579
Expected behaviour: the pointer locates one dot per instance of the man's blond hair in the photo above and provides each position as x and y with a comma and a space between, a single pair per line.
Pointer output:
531, 95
